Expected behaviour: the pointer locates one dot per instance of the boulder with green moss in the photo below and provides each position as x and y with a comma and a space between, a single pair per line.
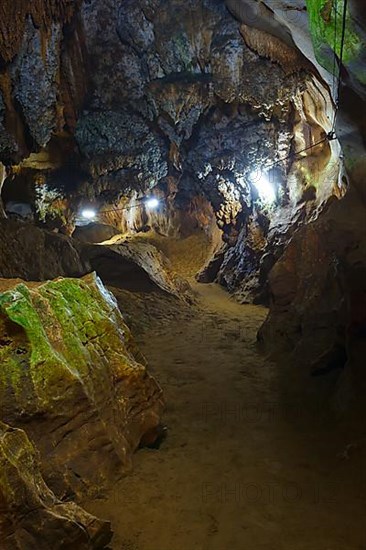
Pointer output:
327, 18
71, 376
30, 514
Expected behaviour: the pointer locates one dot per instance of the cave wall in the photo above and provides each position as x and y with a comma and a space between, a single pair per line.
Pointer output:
318, 287
171, 98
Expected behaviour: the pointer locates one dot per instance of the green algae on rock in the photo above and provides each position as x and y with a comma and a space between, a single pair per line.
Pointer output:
326, 20
72, 378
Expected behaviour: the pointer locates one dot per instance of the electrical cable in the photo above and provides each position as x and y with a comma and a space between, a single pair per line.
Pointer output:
335, 9
340, 63
344, 24
295, 153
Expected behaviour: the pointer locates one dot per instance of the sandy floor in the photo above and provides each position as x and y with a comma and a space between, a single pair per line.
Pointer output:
242, 467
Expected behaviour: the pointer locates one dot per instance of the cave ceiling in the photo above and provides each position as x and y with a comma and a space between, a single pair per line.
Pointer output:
103, 102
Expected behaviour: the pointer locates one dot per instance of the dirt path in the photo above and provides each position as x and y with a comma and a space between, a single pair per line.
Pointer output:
240, 469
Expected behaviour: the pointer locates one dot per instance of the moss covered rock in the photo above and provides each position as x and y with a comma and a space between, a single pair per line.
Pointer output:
326, 20
71, 376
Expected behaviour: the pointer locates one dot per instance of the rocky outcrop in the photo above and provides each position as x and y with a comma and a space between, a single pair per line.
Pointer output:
42, 12
188, 105
94, 233
135, 266
72, 378
30, 41
317, 288
318, 300
31, 515
198, 97
33, 254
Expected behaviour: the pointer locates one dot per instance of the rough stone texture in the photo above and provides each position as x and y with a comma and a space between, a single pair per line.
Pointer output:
121, 150
196, 95
189, 74
31, 515
317, 288
33, 254
161, 94
30, 42
94, 232
135, 266
176, 64
70, 377
7, 141
318, 296
13, 17
37, 102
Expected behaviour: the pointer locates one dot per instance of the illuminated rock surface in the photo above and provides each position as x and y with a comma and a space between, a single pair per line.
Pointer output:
136, 266
72, 378
224, 111
187, 108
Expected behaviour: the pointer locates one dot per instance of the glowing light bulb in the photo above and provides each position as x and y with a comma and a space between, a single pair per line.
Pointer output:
152, 203
88, 213
265, 188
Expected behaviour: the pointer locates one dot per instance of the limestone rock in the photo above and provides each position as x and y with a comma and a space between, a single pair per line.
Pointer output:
32, 254
94, 232
71, 376
149, 92
122, 144
135, 266
318, 288
30, 514
38, 103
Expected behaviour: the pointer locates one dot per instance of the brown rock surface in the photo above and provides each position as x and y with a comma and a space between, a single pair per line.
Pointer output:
30, 514
135, 265
94, 232
318, 295
70, 377
32, 254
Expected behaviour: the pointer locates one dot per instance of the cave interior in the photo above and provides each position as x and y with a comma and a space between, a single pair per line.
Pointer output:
182, 274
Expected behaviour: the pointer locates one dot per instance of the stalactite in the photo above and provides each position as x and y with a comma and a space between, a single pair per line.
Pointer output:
13, 15
271, 47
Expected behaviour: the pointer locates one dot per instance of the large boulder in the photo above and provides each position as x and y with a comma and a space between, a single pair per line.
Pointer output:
318, 297
30, 514
135, 265
33, 254
71, 376
94, 232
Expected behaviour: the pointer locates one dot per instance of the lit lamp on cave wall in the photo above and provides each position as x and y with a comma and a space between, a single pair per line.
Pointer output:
88, 214
266, 189
152, 203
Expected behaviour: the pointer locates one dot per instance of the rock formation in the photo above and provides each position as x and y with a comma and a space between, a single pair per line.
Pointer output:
70, 377
135, 266
177, 97
30, 514
187, 109
30, 253
246, 120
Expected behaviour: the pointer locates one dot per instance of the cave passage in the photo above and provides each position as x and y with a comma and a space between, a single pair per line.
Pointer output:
247, 463
182, 274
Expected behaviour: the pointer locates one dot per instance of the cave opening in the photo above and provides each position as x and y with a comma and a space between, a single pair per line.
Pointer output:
182, 274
